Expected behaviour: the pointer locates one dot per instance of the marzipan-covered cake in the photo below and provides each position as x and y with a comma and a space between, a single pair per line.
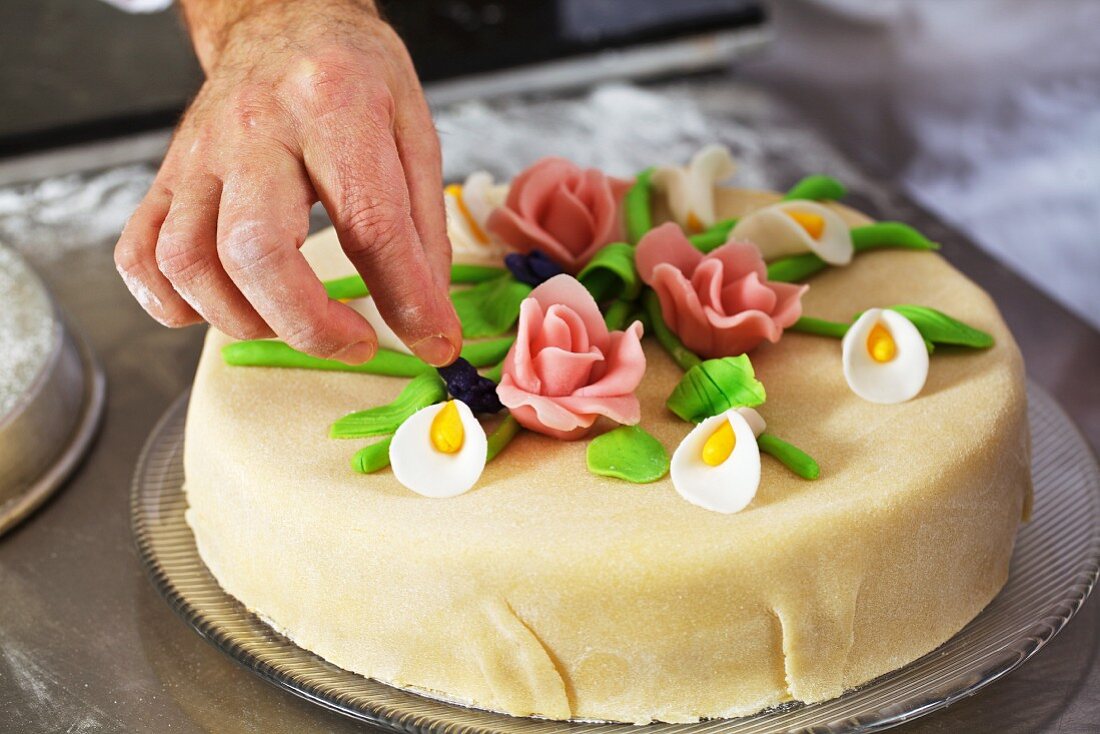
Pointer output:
707, 450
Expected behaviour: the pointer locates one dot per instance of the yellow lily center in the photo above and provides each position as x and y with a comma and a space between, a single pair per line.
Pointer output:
694, 223
455, 190
720, 444
447, 434
881, 345
814, 224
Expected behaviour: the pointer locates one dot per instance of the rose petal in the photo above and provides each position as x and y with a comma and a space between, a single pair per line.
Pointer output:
623, 367
667, 245
568, 221
566, 291
747, 294
562, 372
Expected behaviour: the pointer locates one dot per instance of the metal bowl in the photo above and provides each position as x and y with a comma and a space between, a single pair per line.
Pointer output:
55, 415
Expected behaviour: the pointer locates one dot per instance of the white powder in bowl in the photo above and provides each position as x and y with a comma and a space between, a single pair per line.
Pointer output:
27, 329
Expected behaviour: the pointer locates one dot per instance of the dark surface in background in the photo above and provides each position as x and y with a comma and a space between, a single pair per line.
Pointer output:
77, 70
80, 70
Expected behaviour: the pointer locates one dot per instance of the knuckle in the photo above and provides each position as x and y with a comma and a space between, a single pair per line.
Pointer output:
309, 336
178, 260
247, 246
376, 228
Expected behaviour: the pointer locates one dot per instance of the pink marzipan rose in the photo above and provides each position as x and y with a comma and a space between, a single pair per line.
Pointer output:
720, 304
566, 211
566, 369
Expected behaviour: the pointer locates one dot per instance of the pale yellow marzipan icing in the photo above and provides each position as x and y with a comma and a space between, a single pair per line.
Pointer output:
547, 590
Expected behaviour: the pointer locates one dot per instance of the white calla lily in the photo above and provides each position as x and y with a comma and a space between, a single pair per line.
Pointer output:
717, 465
795, 227
387, 339
439, 451
885, 358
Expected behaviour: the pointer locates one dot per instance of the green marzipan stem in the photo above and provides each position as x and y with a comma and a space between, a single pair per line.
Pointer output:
639, 218
270, 353
817, 187
671, 343
821, 327
342, 289
370, 459
713, 237
868, 237
501, 436
618, 314
462, 274
792, 457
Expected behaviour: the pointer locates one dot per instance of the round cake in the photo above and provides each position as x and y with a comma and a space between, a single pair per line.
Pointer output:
549, 591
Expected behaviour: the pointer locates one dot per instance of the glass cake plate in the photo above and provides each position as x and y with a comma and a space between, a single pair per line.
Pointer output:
1054, 567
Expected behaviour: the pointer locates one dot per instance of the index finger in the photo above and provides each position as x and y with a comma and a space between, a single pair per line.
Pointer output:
357, 173
263, 220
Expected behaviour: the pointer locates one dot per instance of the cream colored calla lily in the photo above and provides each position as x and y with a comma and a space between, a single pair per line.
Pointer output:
795, 227
690, 189
468, 207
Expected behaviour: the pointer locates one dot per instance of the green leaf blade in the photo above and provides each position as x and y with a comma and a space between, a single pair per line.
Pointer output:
611, 273
939, 328
715, 386
487, 352
629, 453
422, 391
491, 307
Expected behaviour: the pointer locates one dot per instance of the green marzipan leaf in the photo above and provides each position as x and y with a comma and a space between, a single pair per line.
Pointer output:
629, 453
422, 391
714, 237
715, 386
792, 457
611, 273
639, 218
370, 459
817, 187
489, 308
939, 328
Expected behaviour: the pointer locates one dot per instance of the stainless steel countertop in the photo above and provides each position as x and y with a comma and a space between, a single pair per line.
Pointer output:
87, 645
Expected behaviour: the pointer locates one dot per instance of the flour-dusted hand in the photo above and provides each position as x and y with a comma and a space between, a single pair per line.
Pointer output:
304, 100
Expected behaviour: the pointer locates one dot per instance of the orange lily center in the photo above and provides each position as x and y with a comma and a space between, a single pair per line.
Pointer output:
881, 345
814, 224
719, 445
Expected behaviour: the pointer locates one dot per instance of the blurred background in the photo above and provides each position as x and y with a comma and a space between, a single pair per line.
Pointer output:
977, 121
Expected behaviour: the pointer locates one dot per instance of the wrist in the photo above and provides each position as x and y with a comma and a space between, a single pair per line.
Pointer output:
213, 24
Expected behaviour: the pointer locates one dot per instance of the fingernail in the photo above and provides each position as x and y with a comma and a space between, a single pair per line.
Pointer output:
435, 350
357, 353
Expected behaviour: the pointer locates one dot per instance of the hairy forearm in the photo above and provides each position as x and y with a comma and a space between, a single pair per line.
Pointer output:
210, 22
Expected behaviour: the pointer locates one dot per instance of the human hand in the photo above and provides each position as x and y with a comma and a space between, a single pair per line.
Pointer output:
305, 100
